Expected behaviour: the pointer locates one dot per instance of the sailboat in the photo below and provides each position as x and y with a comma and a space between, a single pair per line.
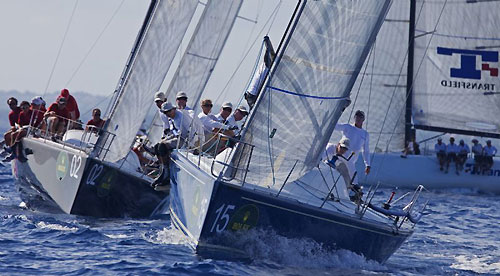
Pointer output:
95, 173
271, 179
433, 68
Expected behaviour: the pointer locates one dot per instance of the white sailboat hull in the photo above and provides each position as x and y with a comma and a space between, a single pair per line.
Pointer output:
393, 171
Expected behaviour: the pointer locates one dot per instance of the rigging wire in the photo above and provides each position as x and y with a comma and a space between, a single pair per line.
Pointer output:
225, 89
408, 94
95, 43
60, 47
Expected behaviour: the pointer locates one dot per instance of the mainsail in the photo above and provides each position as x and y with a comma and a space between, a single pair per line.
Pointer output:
169, 20
457, 87
380, 89
313, 75
201, 55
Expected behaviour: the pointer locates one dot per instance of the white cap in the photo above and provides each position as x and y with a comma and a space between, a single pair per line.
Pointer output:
37, 101
181, 94
345, 142
242, 109
159, 96
167, 106
227, 105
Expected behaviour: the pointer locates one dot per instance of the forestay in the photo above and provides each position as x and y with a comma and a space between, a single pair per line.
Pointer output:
305, 95
380, 89
201, 56
155, 52
457, 87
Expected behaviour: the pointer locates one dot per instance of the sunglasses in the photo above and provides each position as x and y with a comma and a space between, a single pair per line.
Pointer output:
208, 105
227, 109
182, 99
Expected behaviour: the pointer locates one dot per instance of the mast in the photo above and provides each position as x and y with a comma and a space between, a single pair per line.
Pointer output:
128, 65
281, 50
409, 76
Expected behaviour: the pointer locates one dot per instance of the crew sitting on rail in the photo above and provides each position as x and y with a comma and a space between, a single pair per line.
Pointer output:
57, 118
71, 105
477, 150
13, 119
440, 149
488, 152
176, 138
451, 155
96, 123
463, 152
29, 116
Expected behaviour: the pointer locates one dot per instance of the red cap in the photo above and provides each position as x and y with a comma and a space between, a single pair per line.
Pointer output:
65, 93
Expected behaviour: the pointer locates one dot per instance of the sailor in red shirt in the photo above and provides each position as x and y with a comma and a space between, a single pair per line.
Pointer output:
57, 116
30, 116
13, 118
71, 105
14, 111
96, 121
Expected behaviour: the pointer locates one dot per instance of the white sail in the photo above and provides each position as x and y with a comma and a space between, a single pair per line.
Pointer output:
305, 95
457, 87
201, 55
382, 94
156, 50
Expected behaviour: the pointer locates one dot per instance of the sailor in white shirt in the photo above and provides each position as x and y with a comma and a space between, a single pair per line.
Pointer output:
181, 101
488, 152
440, 149
236, 117
452, 150
209, 121
159, 100
477, 149
359, 141
179, 131
224, 113
463, 151
261, 73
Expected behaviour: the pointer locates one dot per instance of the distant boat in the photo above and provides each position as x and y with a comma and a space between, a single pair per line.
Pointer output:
99, 175
452, 57
272, 178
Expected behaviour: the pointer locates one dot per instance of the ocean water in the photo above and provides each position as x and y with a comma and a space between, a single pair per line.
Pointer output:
460, 235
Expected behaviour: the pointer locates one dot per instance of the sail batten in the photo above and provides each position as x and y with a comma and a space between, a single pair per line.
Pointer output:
306, 92
455, 88
201, 55
156, 50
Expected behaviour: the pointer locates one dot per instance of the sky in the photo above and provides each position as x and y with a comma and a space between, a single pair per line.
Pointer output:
33, 31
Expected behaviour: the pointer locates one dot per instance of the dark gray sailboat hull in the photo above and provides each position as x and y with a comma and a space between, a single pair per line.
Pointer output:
67, 178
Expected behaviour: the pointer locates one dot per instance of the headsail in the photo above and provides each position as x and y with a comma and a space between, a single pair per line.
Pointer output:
380, 89
155, 51
313, 75
201, 55
457, 87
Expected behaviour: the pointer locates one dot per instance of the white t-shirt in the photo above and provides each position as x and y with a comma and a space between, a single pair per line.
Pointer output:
477, 149
489, 151
359, 141
438, 147
210, 122
452, 148
463, 149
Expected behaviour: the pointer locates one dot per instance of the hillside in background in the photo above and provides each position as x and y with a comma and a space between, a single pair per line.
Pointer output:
86, 102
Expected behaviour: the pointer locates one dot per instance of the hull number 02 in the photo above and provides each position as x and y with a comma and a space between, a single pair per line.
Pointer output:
222, 218
76, 163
